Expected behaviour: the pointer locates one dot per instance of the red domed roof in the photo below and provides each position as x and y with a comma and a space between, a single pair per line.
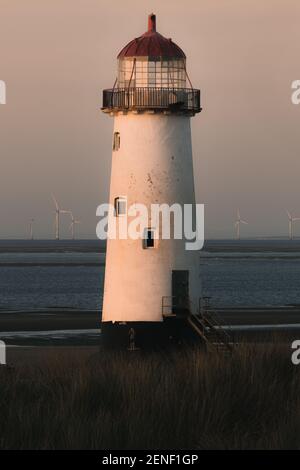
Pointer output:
152, 44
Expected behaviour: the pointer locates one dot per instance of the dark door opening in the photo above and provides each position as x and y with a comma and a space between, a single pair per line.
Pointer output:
180, 292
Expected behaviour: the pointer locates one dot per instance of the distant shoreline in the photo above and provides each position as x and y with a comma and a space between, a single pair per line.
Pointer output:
99, 246
47, 264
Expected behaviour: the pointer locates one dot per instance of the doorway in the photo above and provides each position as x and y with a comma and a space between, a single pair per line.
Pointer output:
180, 292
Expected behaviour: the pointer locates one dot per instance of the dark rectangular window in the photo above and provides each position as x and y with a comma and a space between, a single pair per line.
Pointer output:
149, 237
117, 141
120, 206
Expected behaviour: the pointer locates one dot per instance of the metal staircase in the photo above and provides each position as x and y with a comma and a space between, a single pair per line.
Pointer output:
205, 323
215, 337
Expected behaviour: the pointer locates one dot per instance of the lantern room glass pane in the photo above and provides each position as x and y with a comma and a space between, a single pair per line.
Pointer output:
143, 73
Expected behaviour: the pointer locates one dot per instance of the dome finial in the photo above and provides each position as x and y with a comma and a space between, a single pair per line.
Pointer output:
152, 22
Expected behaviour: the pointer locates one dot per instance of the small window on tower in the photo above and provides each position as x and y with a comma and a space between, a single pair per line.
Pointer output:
149, 237
117, 141
120, 206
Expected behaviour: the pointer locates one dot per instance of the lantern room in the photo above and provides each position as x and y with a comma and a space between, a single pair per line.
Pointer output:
151, 72
151, 61
152, 75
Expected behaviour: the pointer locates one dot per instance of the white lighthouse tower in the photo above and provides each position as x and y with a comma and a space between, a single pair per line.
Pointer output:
150, 281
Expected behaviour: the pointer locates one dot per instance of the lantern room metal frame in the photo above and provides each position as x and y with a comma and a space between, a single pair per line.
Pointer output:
152, 76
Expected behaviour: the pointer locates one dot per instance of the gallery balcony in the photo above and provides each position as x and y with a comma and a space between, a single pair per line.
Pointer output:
168, 100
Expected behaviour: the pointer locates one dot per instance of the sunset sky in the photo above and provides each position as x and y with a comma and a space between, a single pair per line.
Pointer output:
56, 56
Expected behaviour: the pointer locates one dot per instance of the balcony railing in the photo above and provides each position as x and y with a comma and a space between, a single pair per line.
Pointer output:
157, 99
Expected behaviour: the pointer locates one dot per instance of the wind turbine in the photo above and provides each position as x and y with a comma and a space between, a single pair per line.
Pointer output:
73, 223
237, 224
291, 221
31, 229
58, 211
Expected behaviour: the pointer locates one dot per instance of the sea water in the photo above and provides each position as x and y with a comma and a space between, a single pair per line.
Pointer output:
75, 280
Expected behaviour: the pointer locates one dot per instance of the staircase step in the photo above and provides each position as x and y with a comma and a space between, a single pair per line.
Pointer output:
212, 333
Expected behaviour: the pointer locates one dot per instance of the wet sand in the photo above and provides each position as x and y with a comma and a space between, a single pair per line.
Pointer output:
259, 315
68, 319
51, 319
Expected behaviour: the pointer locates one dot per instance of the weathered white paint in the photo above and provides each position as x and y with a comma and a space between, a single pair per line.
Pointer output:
153, 166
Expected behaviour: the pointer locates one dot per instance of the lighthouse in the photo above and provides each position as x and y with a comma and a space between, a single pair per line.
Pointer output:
151, 283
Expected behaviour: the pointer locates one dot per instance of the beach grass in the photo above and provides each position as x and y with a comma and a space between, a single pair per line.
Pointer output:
185, 399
